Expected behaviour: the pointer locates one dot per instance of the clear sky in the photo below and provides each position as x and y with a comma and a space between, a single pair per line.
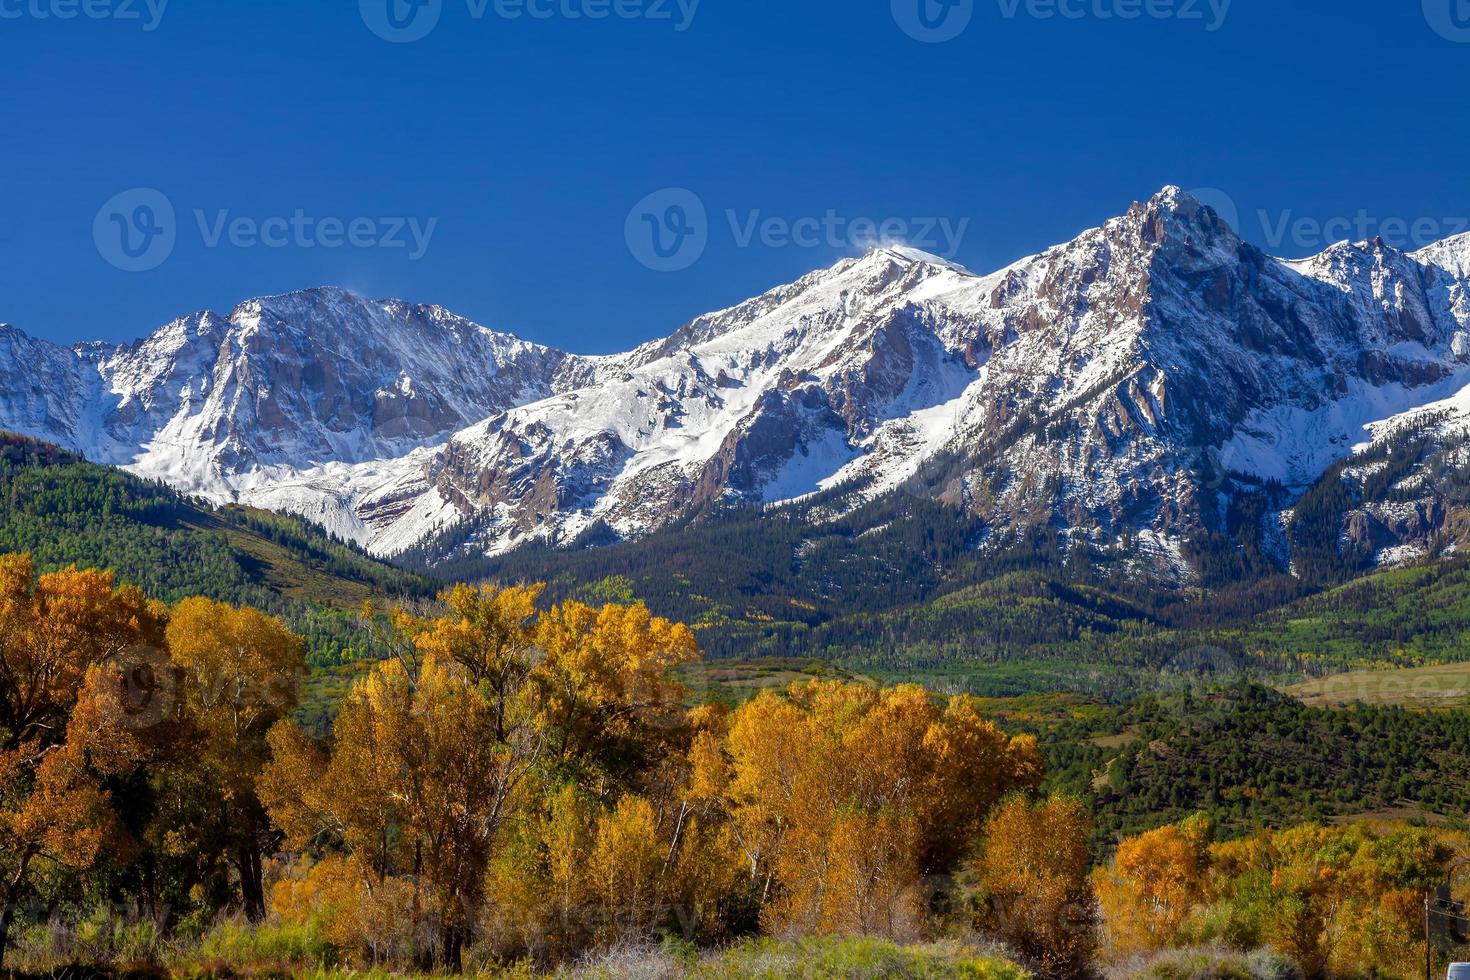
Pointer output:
502, 164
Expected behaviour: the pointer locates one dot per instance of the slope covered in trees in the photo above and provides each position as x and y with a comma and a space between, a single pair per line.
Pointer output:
64, 511
917, 601
1252, 757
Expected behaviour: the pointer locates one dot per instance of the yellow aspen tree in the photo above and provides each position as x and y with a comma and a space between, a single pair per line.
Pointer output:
606, 691
1156, 881
624, 870
844, 798
1032, 871
237, 674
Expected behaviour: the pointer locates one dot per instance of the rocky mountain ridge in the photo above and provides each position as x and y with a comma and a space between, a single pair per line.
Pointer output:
1125, 391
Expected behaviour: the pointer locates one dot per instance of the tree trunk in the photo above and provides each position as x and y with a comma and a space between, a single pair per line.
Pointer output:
7, 913
252, 883
453, 940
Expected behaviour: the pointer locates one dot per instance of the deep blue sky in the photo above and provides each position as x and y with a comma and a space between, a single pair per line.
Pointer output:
531, 140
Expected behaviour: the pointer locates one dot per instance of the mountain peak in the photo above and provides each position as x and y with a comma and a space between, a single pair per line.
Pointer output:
298, 299
1173, 197
1175, 202
908, 255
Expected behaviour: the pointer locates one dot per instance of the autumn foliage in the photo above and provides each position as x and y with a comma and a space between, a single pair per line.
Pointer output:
526, 782
131, 736
1032, 877
1334, 900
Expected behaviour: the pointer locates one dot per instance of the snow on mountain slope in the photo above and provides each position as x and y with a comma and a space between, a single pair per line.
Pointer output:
44, 389
760, 402
218, 405
1115, 384
1119, 390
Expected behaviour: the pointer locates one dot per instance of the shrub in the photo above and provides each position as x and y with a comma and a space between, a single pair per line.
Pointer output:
1207, 963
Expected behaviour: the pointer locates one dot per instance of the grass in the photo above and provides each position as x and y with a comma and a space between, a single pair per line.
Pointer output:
810, 959
1435, 686
259, 949
1206, 963
737, 681
234, 949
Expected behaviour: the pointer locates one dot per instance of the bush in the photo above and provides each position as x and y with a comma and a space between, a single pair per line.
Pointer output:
1207, 963
281, 945
100, 939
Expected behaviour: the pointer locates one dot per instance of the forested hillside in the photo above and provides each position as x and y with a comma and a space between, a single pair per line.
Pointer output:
1252, 757
915, 600
65, 511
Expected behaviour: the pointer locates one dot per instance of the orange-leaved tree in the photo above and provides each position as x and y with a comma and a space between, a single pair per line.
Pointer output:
237, 673
61, 636
1156, 881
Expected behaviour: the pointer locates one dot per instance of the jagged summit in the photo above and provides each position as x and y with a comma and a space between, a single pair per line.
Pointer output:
1120, 391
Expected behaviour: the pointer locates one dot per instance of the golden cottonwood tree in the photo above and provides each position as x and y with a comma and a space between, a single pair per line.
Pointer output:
1032, 872
488, 707
605, 692
844, 798
417, 784
1155, 882
584, 871
58, 633
237, 672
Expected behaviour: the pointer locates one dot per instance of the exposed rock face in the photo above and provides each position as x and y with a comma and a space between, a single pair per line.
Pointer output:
316, 377
1118, 390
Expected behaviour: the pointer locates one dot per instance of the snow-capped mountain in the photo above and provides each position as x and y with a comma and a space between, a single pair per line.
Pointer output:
213, 404
1120, 390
